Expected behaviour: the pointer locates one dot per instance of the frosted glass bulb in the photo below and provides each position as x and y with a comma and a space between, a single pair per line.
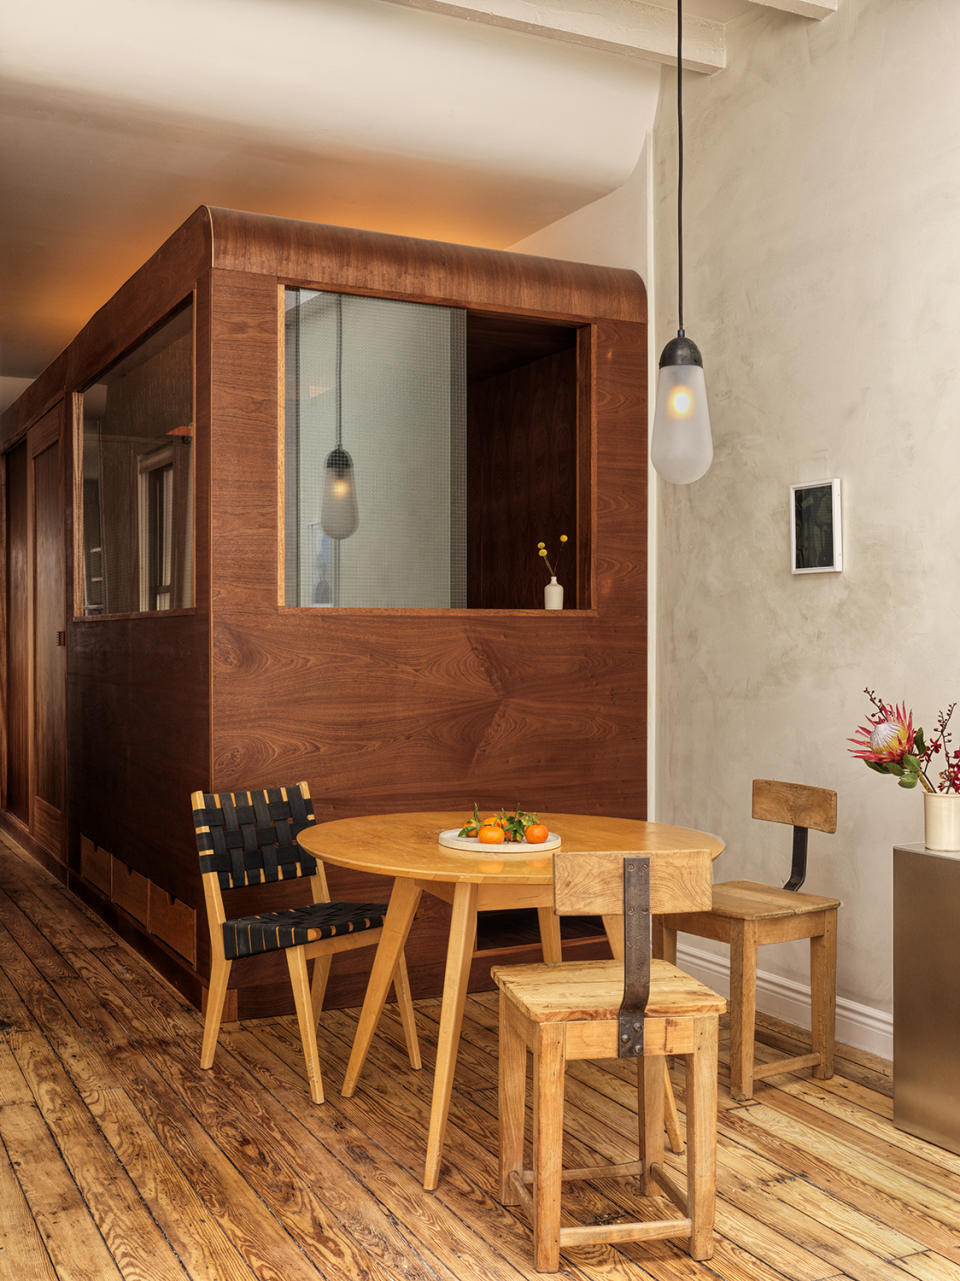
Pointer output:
682, 447
338, 506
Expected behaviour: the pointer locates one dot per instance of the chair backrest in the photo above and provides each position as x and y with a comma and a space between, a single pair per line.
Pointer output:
796, 804
801, 806
591, 884
249, 838
633, 884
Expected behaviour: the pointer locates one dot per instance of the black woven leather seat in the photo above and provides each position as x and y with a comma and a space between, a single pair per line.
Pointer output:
250, 838
291, 926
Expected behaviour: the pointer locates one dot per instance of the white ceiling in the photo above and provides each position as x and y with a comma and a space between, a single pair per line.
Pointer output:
370, 113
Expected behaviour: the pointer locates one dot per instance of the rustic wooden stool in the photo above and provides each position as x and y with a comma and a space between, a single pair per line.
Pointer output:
632, 1008
746, 915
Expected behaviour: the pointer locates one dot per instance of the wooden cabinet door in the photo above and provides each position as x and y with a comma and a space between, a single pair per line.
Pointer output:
48, 639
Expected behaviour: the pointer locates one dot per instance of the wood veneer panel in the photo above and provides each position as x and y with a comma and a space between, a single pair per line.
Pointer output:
16, 622
426, 270
409, 709
49, 625
522, 463
138, 717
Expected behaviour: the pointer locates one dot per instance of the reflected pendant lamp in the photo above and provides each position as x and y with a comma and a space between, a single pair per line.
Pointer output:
338, 506
682, 447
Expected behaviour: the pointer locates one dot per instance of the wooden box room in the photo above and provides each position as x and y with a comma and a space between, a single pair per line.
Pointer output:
177, 617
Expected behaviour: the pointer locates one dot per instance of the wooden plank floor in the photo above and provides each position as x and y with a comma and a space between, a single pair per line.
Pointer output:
119, 1158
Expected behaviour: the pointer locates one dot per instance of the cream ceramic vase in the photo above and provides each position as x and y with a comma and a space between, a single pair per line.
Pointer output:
553, 594
941, 820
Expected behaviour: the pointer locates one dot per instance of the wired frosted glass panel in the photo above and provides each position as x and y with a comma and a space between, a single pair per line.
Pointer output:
381, 384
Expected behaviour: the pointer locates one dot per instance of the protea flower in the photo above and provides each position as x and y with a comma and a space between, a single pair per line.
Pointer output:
887, 740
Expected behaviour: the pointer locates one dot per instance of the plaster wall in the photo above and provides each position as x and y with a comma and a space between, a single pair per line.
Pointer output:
821, 215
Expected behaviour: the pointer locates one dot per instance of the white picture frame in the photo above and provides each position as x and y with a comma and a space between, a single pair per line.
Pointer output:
816, 536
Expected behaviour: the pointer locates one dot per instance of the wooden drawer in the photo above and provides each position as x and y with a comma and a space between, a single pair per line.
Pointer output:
95, 865
129, 890
173, 922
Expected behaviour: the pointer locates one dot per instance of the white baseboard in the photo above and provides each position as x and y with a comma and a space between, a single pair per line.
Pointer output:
858, 1025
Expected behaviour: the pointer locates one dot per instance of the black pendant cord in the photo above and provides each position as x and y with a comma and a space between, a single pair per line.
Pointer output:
680, 166
339, 370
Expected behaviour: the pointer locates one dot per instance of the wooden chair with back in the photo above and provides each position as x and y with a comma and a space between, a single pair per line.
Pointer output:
250, 838
629, 1008
746, 915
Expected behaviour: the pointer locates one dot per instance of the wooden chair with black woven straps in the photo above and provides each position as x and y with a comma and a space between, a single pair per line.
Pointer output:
250, 838
628, 1008
747, 914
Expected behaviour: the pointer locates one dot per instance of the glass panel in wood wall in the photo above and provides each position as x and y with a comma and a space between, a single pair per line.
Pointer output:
375, 453
138, 477
427, 450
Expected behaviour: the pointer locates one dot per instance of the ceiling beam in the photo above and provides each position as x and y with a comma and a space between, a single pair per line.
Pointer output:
628, 27
805, 8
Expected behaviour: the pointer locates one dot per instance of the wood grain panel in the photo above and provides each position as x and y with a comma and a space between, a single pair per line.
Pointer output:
95, 865
522, 456
16, 676
173, 922
138, 716
620, 494
49, 616
129, 890
328, 257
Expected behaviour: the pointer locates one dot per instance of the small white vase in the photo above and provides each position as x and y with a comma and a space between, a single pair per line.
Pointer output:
553, 594
941, 820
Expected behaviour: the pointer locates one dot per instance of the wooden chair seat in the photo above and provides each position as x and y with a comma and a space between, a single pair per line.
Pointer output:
293, 926
593, 991
751, 901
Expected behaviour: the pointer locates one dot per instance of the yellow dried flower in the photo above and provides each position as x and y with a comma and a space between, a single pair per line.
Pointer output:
563, 538
543, 551
541, 544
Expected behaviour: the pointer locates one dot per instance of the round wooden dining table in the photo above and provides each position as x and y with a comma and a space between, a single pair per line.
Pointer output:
488, 878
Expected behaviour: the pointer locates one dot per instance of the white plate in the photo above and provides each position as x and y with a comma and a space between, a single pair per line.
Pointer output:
452, 841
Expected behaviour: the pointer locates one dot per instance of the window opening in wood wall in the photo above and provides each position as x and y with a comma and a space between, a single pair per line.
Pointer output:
137, 459
461, 438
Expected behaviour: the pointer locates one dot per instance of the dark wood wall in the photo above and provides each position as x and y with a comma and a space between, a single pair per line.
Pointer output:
16, 796
398, 710
377, 710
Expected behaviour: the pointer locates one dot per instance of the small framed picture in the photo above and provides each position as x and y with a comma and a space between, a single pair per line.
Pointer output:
816, 546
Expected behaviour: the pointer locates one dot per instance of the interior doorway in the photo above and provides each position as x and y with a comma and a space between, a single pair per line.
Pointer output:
35, 634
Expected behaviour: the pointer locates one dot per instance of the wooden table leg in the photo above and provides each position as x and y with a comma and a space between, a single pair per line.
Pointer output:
463, 931
404, 901
550, 935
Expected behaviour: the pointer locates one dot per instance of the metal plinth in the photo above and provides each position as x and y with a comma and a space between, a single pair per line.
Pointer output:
926, 994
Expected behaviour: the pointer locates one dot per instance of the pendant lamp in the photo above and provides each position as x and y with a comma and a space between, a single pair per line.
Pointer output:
682, 447
338, 506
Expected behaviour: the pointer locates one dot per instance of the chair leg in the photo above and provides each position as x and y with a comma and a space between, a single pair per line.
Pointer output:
651, 1097
743, 1007
549, 1064
401, 988
671, 1115
823, 994
512, 1073
318, 987
663, 940
216, 995
299, 981
702, 1135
